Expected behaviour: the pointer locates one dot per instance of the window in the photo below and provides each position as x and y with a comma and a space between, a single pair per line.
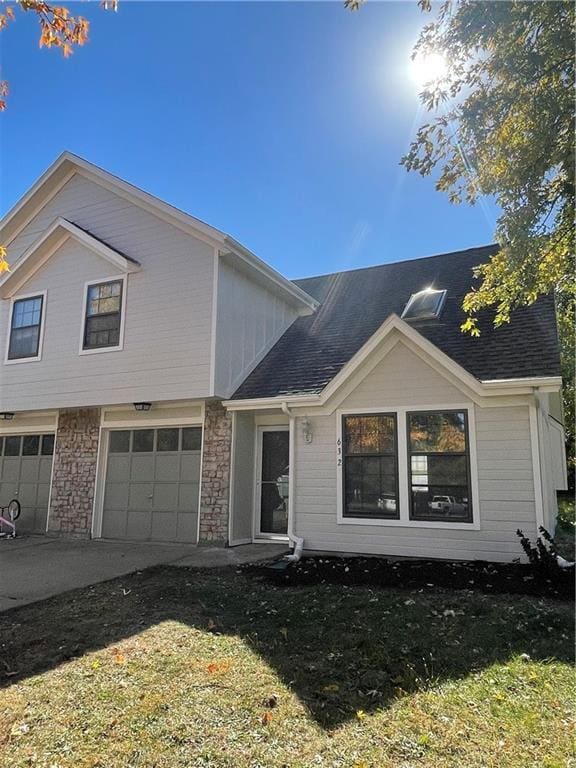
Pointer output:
424, 305
370, 475
102, 321
439, 467
25, 328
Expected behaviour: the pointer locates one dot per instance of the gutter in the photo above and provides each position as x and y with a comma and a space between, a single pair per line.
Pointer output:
295, 540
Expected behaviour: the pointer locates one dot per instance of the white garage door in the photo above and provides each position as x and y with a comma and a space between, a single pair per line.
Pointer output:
152, 484
25, 470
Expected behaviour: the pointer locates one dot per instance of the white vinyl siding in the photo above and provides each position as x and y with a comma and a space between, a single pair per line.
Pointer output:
250, 319
504, 464
166, 352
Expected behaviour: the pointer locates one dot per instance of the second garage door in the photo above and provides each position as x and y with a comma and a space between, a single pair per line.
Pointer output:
152, 484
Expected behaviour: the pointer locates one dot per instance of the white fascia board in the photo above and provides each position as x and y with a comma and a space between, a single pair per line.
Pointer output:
261, 403
543, 383
49, 242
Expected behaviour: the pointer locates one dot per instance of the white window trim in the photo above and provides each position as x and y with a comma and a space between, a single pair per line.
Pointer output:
37, 357
404, 520
118, 278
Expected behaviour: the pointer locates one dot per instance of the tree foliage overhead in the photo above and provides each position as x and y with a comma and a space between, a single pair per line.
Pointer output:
503, 126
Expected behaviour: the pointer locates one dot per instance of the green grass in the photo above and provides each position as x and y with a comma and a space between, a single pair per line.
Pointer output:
174, 668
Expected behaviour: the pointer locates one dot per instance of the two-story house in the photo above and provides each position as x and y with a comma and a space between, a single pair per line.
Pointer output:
160, 382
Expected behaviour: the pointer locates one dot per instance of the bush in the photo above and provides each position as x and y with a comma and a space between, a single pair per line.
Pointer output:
566, 512
542, 557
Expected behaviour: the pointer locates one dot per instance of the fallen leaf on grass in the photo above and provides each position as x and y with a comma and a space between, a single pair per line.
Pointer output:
266, 718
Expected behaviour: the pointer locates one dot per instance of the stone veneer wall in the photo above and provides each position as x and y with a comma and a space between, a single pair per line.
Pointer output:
74, 473
215, 480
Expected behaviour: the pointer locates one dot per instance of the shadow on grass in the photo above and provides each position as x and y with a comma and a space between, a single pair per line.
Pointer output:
339, 649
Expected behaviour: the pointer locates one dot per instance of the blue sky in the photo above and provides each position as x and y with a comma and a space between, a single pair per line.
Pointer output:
280, 123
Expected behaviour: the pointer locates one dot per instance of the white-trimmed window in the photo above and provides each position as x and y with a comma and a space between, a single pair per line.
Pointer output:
412, 467
25, 330
370, 475
103, 319
439, 466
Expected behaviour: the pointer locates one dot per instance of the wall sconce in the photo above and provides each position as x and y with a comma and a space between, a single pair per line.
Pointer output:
7, 416
307, 430
142, 406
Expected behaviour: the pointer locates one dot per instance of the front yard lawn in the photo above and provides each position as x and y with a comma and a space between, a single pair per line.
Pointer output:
177, 668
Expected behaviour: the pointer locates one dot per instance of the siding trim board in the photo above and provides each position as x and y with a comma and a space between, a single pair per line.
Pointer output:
404, 520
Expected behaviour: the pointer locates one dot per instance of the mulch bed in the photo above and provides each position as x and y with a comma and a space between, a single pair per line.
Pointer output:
491, 578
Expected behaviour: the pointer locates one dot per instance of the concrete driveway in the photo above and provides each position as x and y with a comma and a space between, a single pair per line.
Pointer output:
36, 567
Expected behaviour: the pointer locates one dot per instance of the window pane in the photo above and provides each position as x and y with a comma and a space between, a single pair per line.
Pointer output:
167, 440
437, 432
275, 455
143, 440
370, 466
102, 331
12, 446
369, 434
24, 342
31, 445
191, 438
120, 442
103, 309
1, 445
47, 445
27, 312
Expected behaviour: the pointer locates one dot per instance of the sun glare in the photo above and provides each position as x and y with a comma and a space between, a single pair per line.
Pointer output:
428, 68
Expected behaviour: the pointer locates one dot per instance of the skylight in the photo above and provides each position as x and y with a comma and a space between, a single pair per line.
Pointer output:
424, 305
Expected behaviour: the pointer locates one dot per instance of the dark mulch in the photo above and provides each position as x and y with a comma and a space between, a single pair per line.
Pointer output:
491, 578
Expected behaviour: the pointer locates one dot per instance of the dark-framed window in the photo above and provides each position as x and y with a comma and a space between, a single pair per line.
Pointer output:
370, 472
103, 315
439, 466
25, 328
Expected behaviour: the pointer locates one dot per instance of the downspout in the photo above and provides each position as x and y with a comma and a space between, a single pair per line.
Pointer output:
295, 540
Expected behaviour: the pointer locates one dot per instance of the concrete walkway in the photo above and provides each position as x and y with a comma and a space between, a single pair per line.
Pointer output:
36, 567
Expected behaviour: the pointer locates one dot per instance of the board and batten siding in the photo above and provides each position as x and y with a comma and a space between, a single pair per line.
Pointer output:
250, 320
166, 352
504, 464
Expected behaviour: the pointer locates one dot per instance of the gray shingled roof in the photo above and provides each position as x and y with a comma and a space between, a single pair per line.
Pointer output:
354, 305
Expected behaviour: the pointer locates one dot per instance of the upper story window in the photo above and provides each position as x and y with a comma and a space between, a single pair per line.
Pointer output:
370, 474
103, 315
424, 305
26, 328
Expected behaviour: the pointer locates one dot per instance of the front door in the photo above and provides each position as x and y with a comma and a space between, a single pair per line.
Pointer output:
272, 481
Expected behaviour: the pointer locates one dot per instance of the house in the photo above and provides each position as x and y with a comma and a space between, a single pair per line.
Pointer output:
160, 382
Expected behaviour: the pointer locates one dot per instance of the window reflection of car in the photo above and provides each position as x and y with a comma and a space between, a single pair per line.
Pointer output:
387, 503
446, 504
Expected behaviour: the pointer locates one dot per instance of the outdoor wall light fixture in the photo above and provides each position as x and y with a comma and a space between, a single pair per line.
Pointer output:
7, 416
142, 406
307, 430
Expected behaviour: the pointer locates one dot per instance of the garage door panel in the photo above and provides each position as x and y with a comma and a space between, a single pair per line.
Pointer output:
11, 469
114, 524
116, 496
190, 467
27, 494
168, 467
188, 497
164, 526
187, 527
152, 494
45, 469
139, 496
29, 470
139, 525
43, 494
165, 497
118, 468
142, 468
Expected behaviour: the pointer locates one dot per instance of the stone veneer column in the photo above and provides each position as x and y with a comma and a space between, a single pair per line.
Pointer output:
215, 479
74, 473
